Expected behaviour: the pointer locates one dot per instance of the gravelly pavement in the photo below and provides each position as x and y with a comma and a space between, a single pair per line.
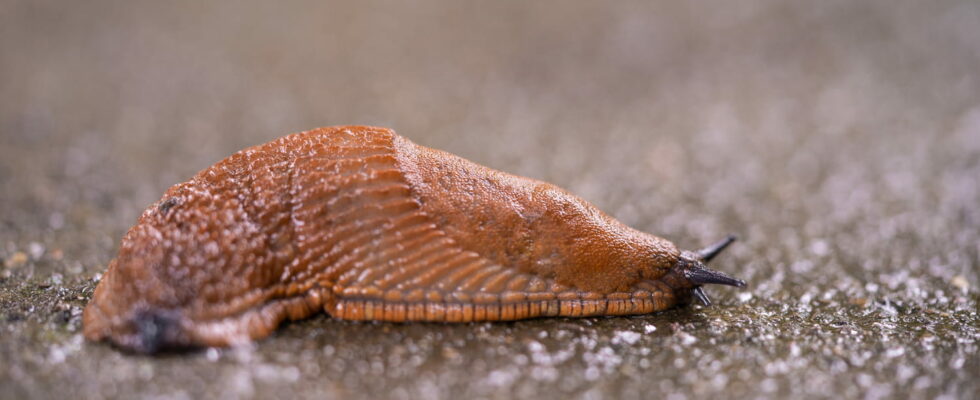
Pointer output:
840, 141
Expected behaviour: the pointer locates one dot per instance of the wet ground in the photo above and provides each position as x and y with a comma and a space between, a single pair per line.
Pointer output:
840, 141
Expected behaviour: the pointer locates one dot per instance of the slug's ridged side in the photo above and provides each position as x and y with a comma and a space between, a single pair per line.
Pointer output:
364, 224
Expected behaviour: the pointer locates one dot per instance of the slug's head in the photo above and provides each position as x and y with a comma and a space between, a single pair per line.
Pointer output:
190, 249
691, 266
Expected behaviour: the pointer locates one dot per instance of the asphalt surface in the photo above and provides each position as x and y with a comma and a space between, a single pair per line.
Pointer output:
839, 140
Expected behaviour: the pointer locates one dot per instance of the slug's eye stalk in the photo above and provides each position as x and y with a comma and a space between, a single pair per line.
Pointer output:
698, 274
707, 253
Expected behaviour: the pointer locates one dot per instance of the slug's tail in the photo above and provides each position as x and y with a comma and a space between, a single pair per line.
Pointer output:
698, 274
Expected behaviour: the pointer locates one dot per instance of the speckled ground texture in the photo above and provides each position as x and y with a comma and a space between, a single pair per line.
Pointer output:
840, 140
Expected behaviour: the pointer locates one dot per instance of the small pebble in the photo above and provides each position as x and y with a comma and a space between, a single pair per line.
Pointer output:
960, 282
75, 268
686, 338
859, 301
212, 354
18, 259
626, 337
820, 248
894, 352
450, 353
36, 250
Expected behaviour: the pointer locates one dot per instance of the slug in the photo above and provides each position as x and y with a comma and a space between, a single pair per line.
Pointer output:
363, 224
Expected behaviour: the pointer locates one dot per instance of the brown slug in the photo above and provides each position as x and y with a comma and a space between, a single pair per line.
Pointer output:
365, 225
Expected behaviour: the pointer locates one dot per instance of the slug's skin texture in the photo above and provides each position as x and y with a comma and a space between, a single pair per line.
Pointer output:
366, 225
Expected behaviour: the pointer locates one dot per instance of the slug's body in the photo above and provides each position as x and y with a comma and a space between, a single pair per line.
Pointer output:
365, 225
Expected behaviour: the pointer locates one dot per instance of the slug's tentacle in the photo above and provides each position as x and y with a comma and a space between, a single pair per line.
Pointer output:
707, 253
701, 275
698, 274
699, 293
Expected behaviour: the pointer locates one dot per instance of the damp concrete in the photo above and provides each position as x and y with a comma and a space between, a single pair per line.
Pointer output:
840, 141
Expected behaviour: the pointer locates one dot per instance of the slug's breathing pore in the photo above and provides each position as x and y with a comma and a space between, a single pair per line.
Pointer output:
366, 225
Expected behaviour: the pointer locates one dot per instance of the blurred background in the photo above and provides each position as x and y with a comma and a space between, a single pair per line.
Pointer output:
840, 140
